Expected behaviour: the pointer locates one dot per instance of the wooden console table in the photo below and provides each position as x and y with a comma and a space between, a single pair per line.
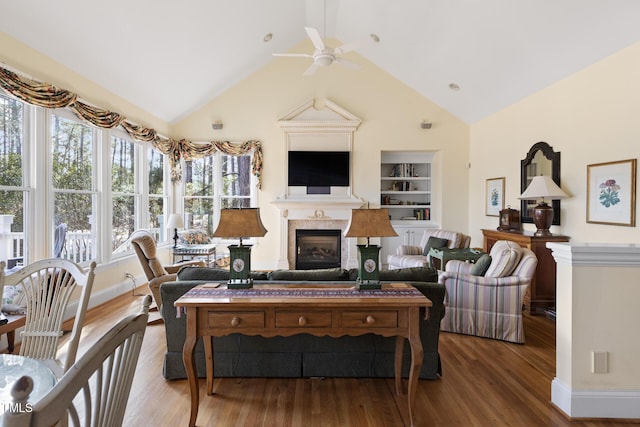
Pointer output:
285, 310
542, 292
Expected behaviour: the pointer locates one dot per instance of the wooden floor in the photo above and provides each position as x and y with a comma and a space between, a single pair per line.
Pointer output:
484, 383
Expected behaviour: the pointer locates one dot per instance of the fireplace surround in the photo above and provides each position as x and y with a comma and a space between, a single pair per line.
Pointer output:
318, 249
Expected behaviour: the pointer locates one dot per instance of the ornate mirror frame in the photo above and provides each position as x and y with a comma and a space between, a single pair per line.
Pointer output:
528, 169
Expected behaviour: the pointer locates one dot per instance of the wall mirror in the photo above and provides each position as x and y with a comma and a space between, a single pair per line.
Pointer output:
540, 160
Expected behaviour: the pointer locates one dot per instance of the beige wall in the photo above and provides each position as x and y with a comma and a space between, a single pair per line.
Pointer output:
390, 111
590, 117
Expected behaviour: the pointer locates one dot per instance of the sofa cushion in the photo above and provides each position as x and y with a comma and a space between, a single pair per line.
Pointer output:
481, 266
414, 274
435, 242
505, 256
213, 274
313, 274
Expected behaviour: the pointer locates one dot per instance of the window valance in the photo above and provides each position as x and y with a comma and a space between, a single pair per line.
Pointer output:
48, 96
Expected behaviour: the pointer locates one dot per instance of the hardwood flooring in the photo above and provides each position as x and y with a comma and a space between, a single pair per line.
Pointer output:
484, 383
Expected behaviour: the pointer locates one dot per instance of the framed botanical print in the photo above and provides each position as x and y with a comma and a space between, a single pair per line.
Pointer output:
611, 193
494, 196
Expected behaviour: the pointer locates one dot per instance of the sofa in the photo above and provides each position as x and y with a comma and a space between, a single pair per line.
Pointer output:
302, 355
487, 300
408, 256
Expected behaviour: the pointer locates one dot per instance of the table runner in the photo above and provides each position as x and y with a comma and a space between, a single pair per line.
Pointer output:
311, 292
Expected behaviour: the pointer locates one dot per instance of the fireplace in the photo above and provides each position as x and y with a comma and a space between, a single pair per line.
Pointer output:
318, 249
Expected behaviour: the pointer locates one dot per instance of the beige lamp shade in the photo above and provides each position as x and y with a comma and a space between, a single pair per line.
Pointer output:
175, 221
370, 223
240, 223
543, 187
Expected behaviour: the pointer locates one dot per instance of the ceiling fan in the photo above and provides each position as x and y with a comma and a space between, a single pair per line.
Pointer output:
324, 55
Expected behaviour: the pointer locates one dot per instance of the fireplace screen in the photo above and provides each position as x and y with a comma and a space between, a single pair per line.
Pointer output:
317, 249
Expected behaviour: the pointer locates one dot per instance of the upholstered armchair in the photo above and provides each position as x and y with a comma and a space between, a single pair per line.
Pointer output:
489, 304
407, 256
144, 244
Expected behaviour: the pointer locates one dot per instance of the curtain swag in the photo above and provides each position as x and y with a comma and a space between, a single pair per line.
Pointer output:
48, 96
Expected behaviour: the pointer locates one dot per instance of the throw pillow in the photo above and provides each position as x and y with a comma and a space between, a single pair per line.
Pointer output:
435, 242
319, 274
481, 266
505, 256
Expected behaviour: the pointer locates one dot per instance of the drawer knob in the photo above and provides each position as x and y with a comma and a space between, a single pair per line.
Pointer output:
370, 320
302, 321
235, 321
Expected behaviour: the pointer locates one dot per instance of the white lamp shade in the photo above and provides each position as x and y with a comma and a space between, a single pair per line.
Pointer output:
175, 221
543, 187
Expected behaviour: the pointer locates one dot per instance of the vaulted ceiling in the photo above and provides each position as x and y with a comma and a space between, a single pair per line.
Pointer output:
171, 57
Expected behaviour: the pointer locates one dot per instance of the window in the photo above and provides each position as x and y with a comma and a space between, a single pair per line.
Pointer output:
157, 198
213, 183
13, 191
123, 198
94, 185
72, 182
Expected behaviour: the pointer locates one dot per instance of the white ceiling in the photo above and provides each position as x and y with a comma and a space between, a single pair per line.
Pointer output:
171, 57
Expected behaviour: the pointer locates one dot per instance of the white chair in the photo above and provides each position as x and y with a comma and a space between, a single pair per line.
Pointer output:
408, 256
95, 390
45, 289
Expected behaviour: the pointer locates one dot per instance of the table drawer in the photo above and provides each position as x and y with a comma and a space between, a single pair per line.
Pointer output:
379, 319
308, 319
240, 320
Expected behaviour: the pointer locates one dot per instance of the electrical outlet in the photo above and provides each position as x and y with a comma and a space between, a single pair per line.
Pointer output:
599, 362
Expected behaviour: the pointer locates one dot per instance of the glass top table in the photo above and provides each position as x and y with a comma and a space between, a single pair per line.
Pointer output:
12, 367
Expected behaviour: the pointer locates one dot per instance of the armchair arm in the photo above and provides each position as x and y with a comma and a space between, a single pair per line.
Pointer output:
409, 250
461, 279
175, 267
458, 266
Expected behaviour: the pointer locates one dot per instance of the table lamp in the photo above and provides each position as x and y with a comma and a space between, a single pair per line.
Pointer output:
239, 224
543, 187
175, 222
369, 223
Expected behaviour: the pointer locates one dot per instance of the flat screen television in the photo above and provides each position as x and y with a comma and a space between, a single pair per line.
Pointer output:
319, 168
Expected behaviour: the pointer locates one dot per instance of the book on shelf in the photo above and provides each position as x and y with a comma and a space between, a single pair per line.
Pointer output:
403, 170
422, 214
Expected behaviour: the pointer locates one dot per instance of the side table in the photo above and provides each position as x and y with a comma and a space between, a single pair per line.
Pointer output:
445, 255
192, 251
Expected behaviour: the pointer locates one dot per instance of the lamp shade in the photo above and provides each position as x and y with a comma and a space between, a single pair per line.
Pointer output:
175, 221
370, 223
239, 223
543, 187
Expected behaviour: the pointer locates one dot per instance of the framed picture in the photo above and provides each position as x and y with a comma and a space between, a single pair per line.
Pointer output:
611, 193
494, 196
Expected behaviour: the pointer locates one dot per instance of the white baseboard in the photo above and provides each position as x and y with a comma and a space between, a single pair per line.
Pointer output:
595, 403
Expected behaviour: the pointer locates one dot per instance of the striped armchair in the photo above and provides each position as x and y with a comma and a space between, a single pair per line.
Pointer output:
407, 256
491, 305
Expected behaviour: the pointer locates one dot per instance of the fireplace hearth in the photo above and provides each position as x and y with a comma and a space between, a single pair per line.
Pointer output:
318, 249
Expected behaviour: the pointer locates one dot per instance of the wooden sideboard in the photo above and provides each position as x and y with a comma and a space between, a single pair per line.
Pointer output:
542, 292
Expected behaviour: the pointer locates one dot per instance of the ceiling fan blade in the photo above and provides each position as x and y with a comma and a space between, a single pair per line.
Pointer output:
295, 55
348, 47
314, 35
312, 69
347, 63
